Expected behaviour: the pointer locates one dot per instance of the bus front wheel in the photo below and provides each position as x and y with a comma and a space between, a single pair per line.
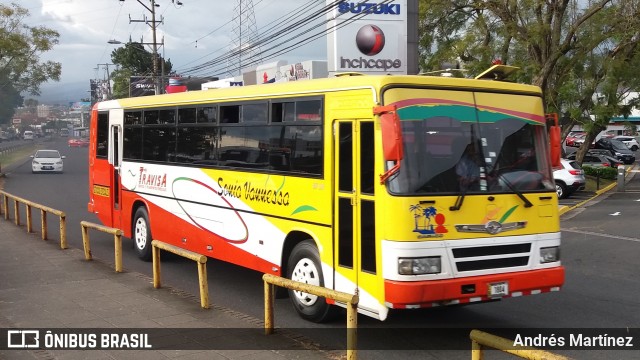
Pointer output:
142, 234
304, 266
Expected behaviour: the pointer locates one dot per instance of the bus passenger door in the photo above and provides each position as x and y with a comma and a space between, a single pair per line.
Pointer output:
115, 159
355, 251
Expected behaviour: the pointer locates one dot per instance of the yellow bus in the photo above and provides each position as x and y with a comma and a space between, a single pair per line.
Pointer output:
354, 183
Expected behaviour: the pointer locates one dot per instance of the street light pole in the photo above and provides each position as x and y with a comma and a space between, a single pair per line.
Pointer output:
155, 47
153, 24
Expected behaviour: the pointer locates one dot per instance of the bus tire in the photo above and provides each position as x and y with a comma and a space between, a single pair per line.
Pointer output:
304, 266
142, 234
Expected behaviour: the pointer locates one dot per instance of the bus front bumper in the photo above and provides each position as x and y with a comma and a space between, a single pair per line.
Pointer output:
420, 294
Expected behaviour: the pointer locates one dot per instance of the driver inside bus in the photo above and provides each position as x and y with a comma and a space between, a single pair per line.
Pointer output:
468, 168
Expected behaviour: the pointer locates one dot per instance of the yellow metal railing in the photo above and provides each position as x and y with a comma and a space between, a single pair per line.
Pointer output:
201, 260
349, 299
43, 215
117, 241
481, 338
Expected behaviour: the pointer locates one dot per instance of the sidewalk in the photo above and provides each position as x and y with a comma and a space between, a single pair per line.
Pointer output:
44, 287
631, 184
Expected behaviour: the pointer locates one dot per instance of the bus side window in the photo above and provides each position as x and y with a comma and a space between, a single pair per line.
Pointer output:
151, 117
102, 135
230, 114
282, 112
186, 115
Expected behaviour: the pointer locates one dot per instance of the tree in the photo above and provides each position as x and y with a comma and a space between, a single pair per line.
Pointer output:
133, 60
576, 51
21, 69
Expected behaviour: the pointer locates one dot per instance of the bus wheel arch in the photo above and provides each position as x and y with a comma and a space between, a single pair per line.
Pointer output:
304, 265
141, 231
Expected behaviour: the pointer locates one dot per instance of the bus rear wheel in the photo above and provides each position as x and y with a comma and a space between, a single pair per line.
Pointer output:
304, 266
142, 234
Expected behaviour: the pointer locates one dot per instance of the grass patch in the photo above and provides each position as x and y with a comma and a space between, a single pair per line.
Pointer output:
18, 155
592, 183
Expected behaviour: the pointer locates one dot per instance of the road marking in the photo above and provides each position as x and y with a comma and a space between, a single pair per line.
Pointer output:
600, 234
617, 213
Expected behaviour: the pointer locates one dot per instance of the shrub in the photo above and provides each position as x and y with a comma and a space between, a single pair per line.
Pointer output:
602, 172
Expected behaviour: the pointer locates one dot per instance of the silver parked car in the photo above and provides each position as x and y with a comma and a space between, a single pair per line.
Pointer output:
630, 141
47, 161
569, 179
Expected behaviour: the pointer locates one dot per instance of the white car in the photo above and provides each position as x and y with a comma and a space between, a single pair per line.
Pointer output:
47, 161
630, 141
569, 178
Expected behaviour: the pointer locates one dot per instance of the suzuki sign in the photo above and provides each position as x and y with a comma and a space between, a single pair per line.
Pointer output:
368, 37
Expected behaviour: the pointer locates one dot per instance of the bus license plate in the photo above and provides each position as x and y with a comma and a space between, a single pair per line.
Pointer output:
499, 289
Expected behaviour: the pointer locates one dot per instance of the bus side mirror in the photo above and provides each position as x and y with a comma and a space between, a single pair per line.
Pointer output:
555, 144
391, 138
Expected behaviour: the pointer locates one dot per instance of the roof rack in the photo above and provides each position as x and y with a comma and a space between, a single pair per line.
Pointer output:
349, 73
497, 72
443, 72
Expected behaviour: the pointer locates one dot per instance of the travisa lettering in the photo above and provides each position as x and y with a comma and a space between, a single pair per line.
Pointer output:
153, 181
369, 8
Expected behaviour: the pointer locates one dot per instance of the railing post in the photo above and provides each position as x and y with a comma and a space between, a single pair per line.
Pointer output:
476, 351
29, 225
155, 255
16, 211
352, 331
63, 231
43, 221
117, 238
268, 308
85, 242
204, 285
6, 207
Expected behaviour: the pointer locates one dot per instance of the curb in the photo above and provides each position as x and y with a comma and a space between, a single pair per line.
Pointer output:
565, 209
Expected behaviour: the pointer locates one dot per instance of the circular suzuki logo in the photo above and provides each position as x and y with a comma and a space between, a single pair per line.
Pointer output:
370, 40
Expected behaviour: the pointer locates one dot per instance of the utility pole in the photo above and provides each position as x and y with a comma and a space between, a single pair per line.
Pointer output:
108, 80
154, 25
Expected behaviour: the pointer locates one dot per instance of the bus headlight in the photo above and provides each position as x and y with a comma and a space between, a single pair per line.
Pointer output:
549, 254
419, 266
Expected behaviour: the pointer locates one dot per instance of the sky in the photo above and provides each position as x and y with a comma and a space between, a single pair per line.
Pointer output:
193, 33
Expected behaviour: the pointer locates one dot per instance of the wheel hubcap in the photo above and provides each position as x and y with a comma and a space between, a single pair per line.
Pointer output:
306, 272
141, 233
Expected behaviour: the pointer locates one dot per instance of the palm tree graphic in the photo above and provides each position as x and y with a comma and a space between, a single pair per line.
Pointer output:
427, 214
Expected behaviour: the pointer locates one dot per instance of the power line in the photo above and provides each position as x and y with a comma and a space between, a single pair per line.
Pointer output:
217, 64
270, 36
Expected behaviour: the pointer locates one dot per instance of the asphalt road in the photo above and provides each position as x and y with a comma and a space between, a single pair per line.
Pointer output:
600, 252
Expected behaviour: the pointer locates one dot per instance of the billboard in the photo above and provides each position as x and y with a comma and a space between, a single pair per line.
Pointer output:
367, 37
141, 86
100, 90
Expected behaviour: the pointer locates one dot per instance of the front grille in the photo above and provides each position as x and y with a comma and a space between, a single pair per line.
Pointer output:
491, 250
493, 257
492, 264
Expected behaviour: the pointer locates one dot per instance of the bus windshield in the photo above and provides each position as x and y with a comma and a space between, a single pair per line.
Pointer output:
462, 148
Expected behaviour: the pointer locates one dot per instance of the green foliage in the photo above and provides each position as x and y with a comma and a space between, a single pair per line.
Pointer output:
9, 99
608, 173
584, 55
133, 59
20, 50
21, 69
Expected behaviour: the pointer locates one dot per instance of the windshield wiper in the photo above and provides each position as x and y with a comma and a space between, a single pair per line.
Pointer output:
526, 201
459, 200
